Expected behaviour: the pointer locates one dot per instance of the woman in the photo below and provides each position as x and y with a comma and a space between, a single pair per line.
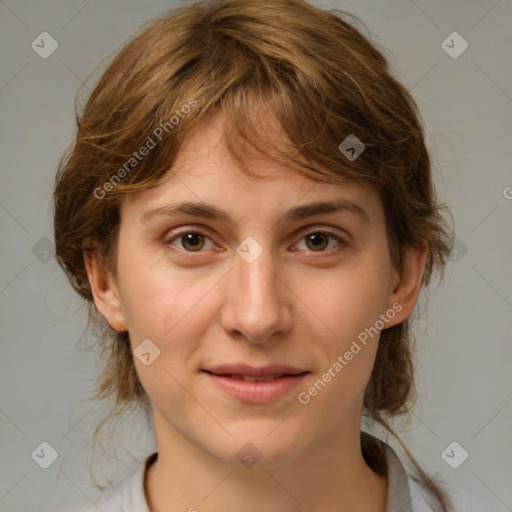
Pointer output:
249, 205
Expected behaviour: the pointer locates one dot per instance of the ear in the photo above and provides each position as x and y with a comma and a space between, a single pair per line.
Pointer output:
406, 285
104, 290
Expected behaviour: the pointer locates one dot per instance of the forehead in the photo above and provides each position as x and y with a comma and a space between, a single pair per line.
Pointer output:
205, 171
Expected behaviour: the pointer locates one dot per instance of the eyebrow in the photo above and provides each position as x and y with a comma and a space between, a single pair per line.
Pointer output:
293, 214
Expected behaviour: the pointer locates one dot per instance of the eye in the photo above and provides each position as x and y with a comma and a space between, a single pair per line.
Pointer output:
190, 241
319, 240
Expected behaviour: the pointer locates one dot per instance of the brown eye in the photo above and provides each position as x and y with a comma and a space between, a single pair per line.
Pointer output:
192, 241
317, 241
189, 241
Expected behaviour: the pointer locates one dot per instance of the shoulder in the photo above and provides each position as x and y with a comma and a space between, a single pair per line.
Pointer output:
423, 501
110, 500
407, 494
460, 500
127, 495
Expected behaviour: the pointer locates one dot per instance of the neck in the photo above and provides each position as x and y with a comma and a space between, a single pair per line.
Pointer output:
333, 476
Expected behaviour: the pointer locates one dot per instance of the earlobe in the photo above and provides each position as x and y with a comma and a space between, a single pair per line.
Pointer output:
407, 288
104, 291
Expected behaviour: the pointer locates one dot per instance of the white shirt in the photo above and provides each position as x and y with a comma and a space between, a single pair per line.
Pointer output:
404, 494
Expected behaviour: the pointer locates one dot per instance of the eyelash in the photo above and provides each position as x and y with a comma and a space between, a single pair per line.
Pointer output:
303, 233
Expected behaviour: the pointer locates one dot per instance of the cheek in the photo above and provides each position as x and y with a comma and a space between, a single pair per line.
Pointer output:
169, 307
349, 305
349, 302
349, 347
171, 311
152, 297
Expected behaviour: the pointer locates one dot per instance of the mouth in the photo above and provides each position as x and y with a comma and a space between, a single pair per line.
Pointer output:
253, 378
250, 384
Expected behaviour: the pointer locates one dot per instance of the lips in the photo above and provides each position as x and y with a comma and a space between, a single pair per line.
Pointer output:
245, 372
256, 384
254, 378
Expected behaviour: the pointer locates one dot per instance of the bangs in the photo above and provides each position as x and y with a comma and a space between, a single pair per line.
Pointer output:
260, 121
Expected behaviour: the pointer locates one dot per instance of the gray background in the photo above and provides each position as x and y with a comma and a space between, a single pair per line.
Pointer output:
464, 379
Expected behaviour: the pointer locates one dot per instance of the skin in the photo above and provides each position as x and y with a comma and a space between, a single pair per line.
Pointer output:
295, 304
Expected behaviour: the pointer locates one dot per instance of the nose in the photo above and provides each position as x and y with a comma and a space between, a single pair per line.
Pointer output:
257, 304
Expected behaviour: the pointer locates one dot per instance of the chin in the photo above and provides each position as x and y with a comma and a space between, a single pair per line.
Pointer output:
255, 448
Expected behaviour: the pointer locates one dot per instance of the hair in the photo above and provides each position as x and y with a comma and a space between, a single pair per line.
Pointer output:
273, 61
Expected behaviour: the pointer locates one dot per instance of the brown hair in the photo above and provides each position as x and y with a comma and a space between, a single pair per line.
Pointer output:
308, 69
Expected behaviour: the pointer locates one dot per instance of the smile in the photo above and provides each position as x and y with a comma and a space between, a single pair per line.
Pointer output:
253, 378
256, 385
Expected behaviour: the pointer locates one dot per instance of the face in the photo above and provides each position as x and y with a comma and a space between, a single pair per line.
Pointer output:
273, 289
